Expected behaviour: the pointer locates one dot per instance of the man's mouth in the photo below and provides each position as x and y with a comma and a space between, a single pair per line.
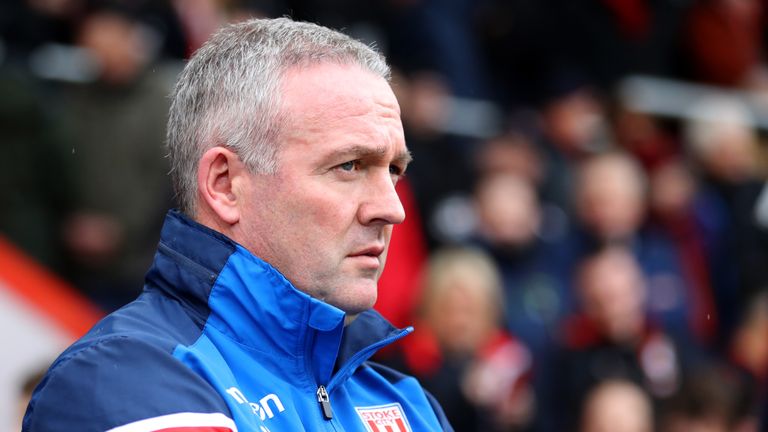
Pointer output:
373, 251
369, 256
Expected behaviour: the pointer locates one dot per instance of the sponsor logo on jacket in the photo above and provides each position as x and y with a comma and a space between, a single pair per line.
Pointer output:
263, 409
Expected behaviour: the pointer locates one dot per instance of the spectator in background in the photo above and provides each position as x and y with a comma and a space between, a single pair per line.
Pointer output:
516, 152
198, 19
610, 198
32, 201
643, 136
512, 153
677, 210
712, 399
31, 29
511, 227
617, 406
611, 337
573, 127
461, 353
749, 345
524, 236
574, 120
611, 206
722, 143
721, 139
114, 155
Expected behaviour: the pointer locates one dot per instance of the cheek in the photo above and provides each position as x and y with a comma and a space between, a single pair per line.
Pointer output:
324, 210
322, 217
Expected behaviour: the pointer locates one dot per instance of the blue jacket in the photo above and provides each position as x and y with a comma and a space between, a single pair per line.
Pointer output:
220, 341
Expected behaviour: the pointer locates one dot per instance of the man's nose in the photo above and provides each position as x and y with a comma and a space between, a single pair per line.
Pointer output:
381, 205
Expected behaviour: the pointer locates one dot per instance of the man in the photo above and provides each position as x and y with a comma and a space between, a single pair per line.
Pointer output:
285, 143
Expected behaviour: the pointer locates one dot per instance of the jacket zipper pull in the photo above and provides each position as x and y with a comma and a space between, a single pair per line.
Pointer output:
325, 402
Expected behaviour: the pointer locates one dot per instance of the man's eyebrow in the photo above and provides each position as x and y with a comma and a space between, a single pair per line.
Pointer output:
362, 151
404, 158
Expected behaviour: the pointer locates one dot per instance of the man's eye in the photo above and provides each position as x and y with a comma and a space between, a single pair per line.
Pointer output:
349, 166
395, 170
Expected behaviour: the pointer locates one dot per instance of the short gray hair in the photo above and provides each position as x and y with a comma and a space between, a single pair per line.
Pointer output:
228, 93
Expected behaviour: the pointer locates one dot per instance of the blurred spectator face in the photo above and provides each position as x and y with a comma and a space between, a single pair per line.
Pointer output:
616, 406
508, 210
672, 189
457, 316
613, 293
634, 127
574, 122
200, 19
511, 154
462, 300
722, 140
730, 155
713, 399
93, 239
610, 196
118, 45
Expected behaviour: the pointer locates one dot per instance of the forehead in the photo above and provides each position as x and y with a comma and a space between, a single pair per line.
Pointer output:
323, 94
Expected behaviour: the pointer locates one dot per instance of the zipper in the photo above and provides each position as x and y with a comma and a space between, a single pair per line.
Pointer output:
354, 361
323, 397
325, 402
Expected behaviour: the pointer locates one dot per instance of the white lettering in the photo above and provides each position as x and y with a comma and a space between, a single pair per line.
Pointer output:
262, 409
275, 400
256, 408
237, 394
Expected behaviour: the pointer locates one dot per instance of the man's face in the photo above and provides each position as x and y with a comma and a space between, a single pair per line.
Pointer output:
325, 218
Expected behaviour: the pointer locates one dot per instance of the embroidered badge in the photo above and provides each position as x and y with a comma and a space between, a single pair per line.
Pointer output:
384, 418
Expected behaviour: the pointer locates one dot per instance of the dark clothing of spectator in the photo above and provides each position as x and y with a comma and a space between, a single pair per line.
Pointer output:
587, 358
33, 184
445, 376
115, 156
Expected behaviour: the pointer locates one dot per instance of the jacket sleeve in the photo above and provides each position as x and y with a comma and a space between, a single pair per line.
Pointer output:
126, 385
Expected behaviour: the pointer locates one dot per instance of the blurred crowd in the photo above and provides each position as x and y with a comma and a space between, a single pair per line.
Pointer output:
586, 246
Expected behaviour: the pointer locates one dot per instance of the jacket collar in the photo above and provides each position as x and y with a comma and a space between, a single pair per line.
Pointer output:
248, 300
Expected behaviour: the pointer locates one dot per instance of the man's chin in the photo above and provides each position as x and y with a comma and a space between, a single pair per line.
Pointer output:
356, 298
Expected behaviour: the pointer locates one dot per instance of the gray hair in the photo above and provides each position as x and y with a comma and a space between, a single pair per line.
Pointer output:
228, 93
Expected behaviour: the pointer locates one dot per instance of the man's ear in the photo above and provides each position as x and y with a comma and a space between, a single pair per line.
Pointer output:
219, 176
